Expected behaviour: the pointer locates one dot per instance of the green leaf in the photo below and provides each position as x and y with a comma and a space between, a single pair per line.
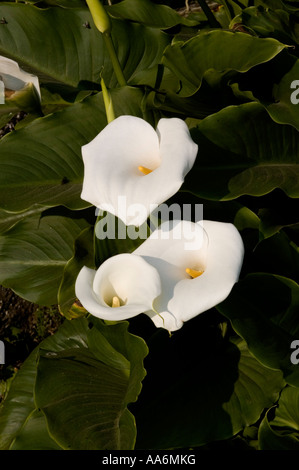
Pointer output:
19, 404
263, 310
148, 13
84, 389
262, 391
242, 151
216, 53
277, 255
9, 219
42, 163
267, 23
285, 106
278, 215
80, 54
282, 432
34, 435
207, 100
110, 359
201, 383
34, 253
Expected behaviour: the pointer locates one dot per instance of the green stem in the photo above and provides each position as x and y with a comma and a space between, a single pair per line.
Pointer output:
114, 59
107, 102
209, 14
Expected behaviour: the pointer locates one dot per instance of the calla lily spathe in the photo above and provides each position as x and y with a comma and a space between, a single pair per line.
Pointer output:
180, 271
124, 286
130, 160
211, 251
15, 79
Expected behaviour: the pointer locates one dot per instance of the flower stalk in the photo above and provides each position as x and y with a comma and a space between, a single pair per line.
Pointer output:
103, 24
99, 15
114, 59
107, 102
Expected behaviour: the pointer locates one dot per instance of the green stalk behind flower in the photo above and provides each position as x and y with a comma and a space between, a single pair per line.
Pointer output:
103, 24
107, 102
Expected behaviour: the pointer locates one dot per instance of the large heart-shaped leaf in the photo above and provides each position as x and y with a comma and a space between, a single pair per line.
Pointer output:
102, 370
84, 389
242, 151
64, 45
200, 388
35, 251
47, 167
216, 52
263, 309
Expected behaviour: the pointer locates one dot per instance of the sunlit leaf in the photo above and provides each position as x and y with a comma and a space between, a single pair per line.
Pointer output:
242, 151
96, 370
80, 54
35, 251
84, 389
216, 53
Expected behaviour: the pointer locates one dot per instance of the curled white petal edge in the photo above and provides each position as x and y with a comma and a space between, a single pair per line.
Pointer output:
112, 171
186, 298
15, 73
142, 292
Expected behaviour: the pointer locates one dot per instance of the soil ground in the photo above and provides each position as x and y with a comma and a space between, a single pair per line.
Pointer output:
23, 325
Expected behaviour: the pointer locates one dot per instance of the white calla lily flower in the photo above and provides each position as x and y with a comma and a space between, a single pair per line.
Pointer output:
124, 286
183, 269
197, 271
15, 79
129, 159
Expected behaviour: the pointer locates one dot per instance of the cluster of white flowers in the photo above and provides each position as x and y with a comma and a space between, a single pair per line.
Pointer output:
184, 268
